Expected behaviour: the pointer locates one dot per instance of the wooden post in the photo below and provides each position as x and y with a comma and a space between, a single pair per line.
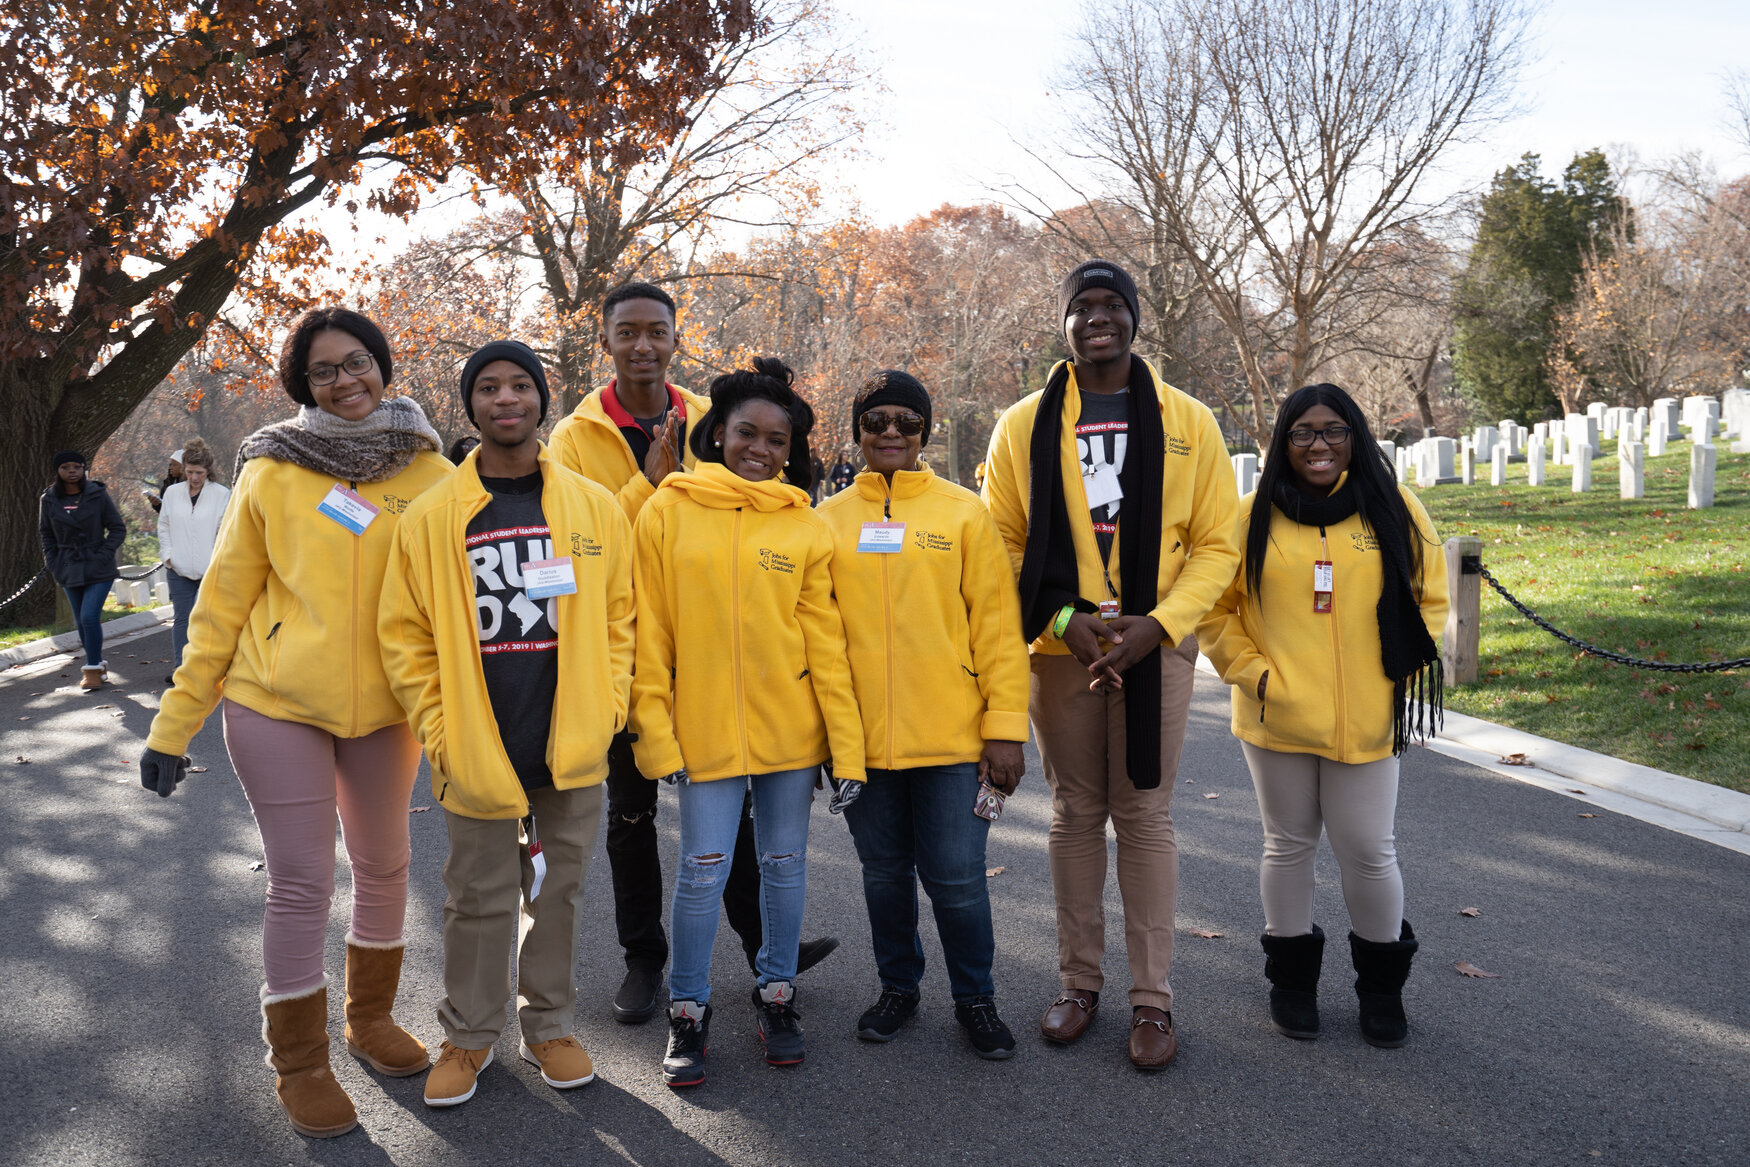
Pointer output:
63, 611
1459, 642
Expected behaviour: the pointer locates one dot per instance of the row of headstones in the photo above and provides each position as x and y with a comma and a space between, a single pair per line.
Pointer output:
1574, 441
141, 593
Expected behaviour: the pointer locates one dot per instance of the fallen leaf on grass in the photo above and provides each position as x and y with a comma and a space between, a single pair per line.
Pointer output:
417, 809
1473, 913
1516, 760
257, 865
1212, 795
1466, 968
1588, 816
1205, 934
990, 871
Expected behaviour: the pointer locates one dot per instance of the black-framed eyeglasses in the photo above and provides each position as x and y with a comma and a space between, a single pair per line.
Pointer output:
1334, 435
356, 365
909, 424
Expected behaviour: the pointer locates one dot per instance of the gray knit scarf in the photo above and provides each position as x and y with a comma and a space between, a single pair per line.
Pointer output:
374, 448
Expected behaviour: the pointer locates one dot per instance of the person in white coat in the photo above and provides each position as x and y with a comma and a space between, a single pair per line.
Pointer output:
188, 527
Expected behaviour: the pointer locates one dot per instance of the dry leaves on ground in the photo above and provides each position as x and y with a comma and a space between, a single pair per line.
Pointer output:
1466, 968
1588, 816
1473, 913
417, 809
990, 871
1575, 790
1516, 760
197, 769
1212, 795
23, 761
1205, 934
257, 865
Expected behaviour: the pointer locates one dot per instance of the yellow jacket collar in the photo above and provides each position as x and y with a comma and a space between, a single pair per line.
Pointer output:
470, 489
871, 484
713, 484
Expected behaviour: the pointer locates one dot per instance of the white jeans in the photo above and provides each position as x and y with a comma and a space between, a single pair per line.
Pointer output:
1356, 804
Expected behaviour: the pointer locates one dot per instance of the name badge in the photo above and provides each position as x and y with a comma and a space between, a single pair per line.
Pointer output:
882, 538
349, 509
537, 861
1322, 589
549, 577
1102, 486
1110, 610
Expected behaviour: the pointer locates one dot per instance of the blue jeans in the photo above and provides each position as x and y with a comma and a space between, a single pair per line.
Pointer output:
917, 824
710, 818
182, 597
86, 600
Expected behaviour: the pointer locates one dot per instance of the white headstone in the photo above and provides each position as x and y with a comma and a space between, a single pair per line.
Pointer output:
1498, 467
1735, 413
1389, 450
1695, 408
1484, 442
1631, 480
1406, 458
1596, 410
1637, 426
1667, 408
121, 591
1701, 475
1558, 444
1445, 451
1657, 436
1534, 460
1607, 422
1467, 465
1582, 480
1246, 472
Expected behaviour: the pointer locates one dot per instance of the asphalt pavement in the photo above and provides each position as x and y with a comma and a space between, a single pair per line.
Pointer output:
1616, 1031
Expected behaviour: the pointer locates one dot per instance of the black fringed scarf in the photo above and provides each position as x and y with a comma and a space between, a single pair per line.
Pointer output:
1049, 578
1409, 655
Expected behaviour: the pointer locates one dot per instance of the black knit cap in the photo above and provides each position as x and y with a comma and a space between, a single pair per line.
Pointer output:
1098, 273
66, 456
514, 351
892, 387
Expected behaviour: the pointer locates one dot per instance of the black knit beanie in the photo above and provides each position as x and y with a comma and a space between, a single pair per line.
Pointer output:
514, 351
892, 387
66, 456
1098, 273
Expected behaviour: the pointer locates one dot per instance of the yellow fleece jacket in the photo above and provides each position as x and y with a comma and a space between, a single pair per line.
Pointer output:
1199, 507
587, 441
1328, 693
741, 654
286, 623
935, 629
431, 644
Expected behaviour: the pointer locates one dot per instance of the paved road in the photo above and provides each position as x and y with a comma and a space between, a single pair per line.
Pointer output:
1618, 1031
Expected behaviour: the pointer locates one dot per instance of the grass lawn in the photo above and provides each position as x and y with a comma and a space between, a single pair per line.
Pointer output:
24, 635
1648, 578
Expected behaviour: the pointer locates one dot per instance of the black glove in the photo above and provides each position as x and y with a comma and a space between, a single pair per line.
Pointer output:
161, 772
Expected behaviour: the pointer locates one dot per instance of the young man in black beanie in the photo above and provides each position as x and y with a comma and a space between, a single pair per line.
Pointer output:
508, 598
1115, 496
628, 436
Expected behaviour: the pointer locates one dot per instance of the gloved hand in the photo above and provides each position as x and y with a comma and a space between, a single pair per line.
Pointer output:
844, 792
162, 772
678, 778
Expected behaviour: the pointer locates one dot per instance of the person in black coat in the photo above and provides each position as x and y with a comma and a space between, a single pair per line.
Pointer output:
81, 532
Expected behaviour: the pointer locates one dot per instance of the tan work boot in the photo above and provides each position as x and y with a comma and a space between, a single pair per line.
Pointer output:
91, 680
452, 1081
564, 1062
373, 973
295, 1027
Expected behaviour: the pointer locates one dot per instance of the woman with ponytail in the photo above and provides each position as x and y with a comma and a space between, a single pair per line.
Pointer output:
1329, 638
741, 678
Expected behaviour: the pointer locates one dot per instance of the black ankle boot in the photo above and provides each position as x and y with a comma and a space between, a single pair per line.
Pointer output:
1382, 970
1292, 965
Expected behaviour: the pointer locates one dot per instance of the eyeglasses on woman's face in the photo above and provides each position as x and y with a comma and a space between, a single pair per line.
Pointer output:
875, 423
356, 365
1334, 435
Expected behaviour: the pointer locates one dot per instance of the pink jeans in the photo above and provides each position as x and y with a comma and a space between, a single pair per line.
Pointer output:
297, 777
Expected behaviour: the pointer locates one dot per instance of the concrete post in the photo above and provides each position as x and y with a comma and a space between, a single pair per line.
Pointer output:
1463, 633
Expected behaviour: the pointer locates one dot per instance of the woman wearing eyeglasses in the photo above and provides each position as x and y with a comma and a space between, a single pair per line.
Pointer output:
933, 622
286, 627
1328, 636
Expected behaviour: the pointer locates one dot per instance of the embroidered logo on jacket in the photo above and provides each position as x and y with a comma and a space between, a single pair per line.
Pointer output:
774, 561
931, 541
1178, 445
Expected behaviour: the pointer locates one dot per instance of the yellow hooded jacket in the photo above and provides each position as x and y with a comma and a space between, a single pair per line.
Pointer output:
741, 654
286, 623
588, 441
1199, 506
1328, 693
934, 629
431, 643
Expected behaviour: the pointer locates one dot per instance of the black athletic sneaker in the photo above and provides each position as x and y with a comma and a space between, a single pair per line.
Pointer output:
811, 952
689, 1025
780, 1024
990, 1037
881, 1021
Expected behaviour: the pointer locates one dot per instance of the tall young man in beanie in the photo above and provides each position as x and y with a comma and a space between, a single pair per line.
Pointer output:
629, 436
1115, 496
508, 600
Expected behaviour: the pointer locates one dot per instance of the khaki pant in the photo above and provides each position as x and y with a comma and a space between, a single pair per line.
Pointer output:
488, 871
1081, 739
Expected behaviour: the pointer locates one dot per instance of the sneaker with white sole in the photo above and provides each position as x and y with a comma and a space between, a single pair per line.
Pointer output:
689, 1029
452, 1081
565, 1064
780, 1025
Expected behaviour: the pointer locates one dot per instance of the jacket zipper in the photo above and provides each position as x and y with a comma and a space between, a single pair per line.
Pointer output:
887, 621
357, 552
735, 637
1337, 659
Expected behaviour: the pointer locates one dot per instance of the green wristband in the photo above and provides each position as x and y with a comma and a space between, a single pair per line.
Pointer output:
1061, 625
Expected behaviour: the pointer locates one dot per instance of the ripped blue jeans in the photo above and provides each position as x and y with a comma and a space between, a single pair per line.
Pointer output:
710, 817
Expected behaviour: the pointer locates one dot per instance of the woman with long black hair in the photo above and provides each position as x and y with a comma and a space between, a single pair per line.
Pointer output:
81, 531
1328, 636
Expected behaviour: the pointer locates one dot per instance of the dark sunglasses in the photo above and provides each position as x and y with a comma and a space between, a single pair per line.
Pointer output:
1334, 435
909, 424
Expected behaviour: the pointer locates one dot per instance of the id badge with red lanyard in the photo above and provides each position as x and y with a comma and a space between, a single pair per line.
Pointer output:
1323, 591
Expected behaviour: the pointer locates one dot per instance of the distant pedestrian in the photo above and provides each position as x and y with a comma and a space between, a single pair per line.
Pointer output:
844, 471
81, 530
174, 474
286, 629
1328, 636
188, 526
462, 447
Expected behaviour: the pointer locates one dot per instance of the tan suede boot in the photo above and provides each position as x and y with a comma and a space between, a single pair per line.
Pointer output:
91, 678
295, 1027
373, 973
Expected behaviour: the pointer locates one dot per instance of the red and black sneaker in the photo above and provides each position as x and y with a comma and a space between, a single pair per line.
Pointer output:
689, 1025
780, 1024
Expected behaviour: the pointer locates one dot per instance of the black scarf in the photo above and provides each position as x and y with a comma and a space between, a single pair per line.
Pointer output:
1408, 654
1049, 579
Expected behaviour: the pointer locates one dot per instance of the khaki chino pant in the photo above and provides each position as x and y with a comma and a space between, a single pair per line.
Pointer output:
1081, 739
487, 874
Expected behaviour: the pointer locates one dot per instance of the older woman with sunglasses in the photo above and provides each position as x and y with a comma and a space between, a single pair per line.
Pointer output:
1328, 637
933, 623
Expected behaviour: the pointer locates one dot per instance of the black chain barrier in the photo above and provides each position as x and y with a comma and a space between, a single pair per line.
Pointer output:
1604, 653
143, 574
19, 594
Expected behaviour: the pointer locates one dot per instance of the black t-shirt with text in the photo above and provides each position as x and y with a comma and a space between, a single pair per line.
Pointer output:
1101, 434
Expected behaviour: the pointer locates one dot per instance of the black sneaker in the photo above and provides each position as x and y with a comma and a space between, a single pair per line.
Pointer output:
780, 1024
811, 952
881, 1021
635, 1003
689, 1025
990, 1037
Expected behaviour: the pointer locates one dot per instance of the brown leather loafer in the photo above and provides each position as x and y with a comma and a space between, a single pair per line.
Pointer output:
1070, 1015
1152, 1044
